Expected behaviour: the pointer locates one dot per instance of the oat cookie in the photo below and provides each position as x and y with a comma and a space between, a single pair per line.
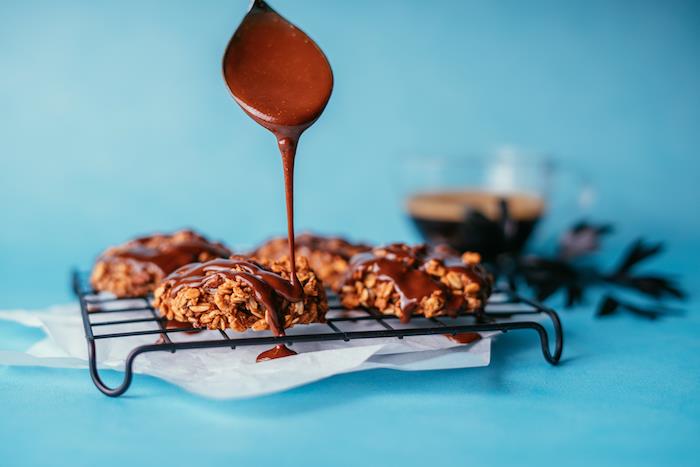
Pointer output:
236, 293
403, 280
328, 256
136, 267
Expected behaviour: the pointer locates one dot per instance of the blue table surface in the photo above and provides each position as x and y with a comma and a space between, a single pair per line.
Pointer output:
114, 121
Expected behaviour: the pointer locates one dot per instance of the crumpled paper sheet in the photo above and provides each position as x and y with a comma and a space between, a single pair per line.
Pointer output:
228, 374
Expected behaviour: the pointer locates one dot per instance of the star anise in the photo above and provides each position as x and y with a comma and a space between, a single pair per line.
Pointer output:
610, 305
654, 285
567, 272
582, 239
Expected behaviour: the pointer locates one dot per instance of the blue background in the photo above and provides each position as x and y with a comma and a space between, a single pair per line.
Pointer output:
114, 120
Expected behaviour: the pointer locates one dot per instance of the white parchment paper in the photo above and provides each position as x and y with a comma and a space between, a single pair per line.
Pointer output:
224, 373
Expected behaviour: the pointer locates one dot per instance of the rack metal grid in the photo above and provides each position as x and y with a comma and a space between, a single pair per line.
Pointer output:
499, 315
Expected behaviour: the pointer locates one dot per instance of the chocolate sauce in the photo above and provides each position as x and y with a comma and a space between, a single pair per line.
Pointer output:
172, 256
283, 81
277, 351
464, 337
412, 284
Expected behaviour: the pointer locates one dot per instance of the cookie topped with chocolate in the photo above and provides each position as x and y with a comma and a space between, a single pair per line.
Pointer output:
329, 257
241, 293
135, 268
403, 280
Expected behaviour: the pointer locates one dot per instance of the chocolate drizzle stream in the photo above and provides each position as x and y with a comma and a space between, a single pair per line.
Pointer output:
288, 149
283, 81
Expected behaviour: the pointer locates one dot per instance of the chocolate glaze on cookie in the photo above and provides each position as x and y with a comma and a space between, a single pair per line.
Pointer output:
170, 256
412, 284
135, 268
267, 286
426, 280
240, 294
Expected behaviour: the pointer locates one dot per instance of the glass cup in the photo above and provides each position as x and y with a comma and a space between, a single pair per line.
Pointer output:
489, 204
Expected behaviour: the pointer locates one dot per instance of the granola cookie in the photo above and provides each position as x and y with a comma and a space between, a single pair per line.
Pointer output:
329, 257
136, 267
403, 280
240, 293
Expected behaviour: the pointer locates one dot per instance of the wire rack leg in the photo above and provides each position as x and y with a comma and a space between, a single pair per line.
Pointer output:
94, 373
552, 358
558, 339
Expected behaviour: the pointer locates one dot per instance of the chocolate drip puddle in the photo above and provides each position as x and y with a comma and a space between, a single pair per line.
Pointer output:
283, 81
464, 337
277, 351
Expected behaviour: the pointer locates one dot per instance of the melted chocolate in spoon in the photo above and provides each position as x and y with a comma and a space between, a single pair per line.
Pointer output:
283, 81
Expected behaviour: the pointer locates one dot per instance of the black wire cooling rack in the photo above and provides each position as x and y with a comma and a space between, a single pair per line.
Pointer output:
501, 314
